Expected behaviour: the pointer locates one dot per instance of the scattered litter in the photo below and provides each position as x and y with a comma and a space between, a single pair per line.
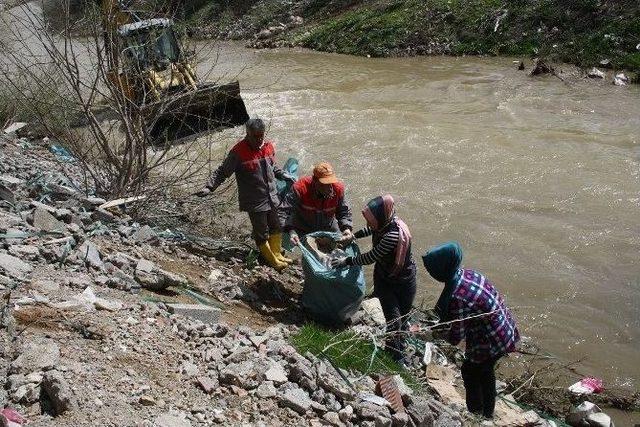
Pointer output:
14, 127
372, 307
620, 80
390, 391
372, 398
428, 353
11, 418
622, 77
588, 414
122, 201
432, 355
587, 385
596, 74
62, 153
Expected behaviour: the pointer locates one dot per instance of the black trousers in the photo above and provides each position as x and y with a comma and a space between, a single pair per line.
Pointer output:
396, 298
264, 224
480, 386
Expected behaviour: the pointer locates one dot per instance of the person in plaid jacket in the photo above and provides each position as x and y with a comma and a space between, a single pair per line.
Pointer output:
477, 314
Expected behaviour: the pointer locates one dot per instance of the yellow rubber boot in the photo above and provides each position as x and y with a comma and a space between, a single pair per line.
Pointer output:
275, 243
271, 259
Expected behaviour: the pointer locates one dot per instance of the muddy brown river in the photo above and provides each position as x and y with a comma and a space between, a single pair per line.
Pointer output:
537, 179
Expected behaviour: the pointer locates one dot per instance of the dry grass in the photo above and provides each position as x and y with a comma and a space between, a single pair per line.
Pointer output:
42, 317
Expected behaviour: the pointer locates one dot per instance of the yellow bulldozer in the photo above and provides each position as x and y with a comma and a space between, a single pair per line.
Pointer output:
148, 63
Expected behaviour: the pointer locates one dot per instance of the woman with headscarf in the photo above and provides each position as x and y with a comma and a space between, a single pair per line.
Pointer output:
477, 313
394, 276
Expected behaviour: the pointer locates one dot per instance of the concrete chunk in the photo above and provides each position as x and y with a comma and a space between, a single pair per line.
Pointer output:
46, 207
144, 234
90, 254
58, 391
45, 221
7, 194
11, 182
39, 355
14, 267
204, 313
145, 266
296, 399
276, 374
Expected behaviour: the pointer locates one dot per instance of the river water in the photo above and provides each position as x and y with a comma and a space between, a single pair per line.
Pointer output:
536, 178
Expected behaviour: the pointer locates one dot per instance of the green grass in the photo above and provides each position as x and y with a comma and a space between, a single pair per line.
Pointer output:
372, 30
582, 32
349, 352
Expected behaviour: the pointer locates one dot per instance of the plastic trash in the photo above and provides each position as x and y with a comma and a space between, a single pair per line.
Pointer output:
12, 418
588, 414
373, 398
284, 187
62, 153
587, 385
428, 353
15, 127
291, 167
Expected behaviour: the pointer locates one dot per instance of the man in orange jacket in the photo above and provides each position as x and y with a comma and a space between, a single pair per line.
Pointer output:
318, 203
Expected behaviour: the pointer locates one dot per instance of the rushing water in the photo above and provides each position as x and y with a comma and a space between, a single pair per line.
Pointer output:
538, 179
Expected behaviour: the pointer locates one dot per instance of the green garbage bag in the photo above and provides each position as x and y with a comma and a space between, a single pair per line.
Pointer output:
291, 166
331, 296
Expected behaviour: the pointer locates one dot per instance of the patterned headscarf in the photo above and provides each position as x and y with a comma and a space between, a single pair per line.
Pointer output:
379, 213
443, 264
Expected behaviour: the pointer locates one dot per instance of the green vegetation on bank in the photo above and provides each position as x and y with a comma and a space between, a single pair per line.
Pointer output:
348, 351
583, 32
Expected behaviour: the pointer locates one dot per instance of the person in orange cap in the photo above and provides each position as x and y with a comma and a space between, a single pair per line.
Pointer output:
318, 203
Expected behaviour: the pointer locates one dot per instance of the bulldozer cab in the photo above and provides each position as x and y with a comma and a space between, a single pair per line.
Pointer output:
150, 44
156, 75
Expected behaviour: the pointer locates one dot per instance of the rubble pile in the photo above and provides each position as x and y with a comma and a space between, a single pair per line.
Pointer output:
110, 323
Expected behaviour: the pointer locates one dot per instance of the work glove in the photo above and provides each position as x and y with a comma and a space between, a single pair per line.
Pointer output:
339, 262
204, 192
295, 239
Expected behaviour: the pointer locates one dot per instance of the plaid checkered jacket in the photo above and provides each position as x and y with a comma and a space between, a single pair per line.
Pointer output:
493, 333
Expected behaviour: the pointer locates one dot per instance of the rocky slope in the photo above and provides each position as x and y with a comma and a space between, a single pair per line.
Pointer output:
95, 330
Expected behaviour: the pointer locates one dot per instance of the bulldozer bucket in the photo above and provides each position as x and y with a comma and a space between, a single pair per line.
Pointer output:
210, 106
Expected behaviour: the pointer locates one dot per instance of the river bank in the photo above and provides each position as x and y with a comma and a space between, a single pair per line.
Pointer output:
586, 34
92, 335
95, 331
